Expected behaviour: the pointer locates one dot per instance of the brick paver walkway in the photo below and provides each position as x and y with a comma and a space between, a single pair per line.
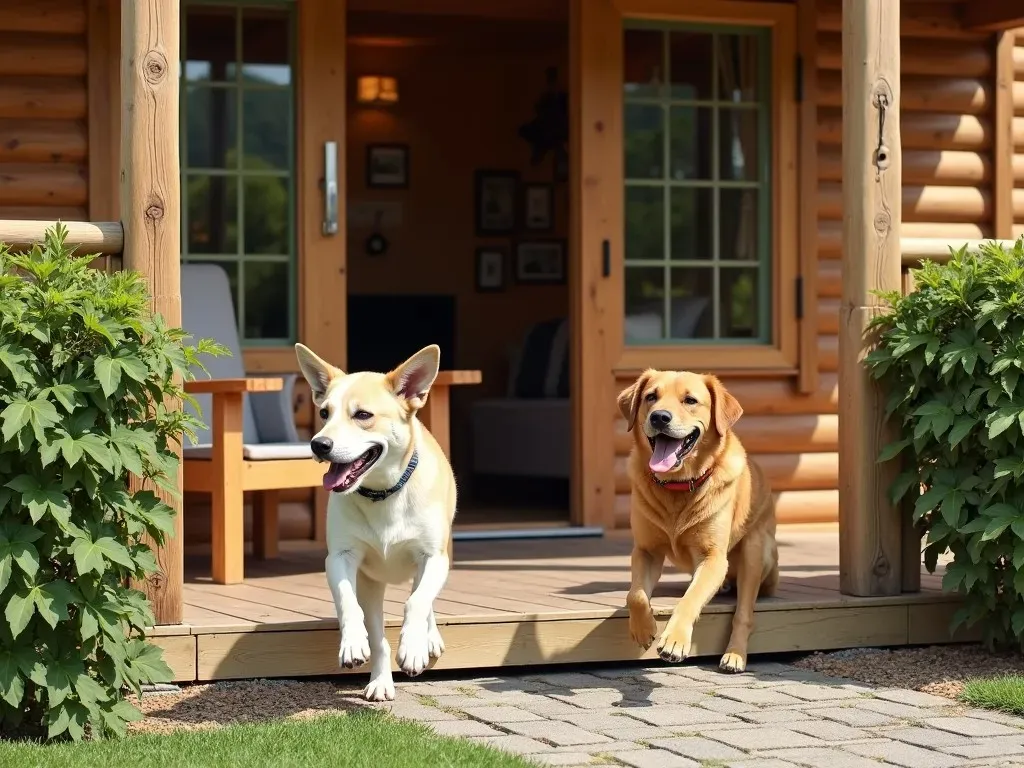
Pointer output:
773, 716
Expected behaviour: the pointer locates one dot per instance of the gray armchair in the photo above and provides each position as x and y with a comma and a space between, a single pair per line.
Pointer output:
249, 441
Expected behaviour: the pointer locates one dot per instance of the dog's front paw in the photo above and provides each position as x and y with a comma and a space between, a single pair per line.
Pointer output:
435, 645
674, 643
733, 662
380, 688
355, 647
642, 625
413, 650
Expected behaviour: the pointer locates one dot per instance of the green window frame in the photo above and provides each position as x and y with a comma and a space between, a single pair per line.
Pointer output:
260, 250
652, 269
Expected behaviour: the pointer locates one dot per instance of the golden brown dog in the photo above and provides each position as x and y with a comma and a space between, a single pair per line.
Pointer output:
697, 500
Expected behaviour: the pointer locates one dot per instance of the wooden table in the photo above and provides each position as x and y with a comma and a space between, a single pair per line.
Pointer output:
436, 414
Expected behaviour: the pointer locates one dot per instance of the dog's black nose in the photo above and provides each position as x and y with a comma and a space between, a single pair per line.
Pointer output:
321, 446
658, 418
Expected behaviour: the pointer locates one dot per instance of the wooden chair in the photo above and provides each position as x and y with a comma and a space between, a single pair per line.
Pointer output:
251, 443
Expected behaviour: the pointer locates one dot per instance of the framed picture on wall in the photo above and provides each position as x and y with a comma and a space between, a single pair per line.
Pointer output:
540, 261
387, 166
490, 268
496, 202
538, 207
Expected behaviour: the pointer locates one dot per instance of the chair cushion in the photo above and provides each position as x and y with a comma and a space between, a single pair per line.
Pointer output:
543, 364
256, 452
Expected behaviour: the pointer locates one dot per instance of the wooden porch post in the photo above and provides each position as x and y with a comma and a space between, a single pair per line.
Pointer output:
869, 524
151, 210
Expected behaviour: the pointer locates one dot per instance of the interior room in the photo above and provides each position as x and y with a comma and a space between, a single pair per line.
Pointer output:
457, 223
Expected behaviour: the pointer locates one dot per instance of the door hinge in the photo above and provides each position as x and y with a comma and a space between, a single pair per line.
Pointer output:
799, 74
800, 297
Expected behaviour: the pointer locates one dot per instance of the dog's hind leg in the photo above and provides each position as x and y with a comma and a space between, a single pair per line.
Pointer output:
749, 575
371, 599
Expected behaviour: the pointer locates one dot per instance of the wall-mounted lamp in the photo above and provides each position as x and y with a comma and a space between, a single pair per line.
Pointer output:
377, 90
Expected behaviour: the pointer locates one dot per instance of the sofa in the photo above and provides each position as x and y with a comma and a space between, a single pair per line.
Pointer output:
528, 432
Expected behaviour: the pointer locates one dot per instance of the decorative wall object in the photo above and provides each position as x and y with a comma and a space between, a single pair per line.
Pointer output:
538, 207
387, 166
496, 193
549, 129
490, 268
540, 261
377, 90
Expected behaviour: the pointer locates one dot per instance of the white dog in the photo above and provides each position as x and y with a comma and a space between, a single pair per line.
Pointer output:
390, 511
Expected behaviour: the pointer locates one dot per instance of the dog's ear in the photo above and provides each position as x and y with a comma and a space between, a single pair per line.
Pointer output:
629, 399
412, 379
317, 372
725, 409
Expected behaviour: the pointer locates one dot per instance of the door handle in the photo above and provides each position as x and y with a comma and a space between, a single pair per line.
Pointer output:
606, 258
330, 224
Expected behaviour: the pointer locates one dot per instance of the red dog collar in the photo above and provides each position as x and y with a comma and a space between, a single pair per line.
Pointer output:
684, 485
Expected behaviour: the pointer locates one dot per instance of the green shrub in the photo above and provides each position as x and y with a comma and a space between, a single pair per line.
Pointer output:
951, 357
82, 362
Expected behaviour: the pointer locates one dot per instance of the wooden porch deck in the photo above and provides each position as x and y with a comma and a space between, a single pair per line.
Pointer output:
530, 602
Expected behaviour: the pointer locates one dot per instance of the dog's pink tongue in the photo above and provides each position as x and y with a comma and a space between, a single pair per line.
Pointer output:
335, 476
664, 457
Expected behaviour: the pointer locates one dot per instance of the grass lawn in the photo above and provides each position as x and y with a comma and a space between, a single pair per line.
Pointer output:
1004, 693
367, 738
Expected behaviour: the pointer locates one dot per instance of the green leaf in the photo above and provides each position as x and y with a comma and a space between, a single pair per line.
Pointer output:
6, 566
961, 428
98, 449
90, 626
135, 368
150, 665
52, 600
952, 503
995, 528
12, 686
892, 450
90, 693
65, 394
39, 502
61, 675
92, 555
58, 719
1001, 421
118, 714
108, 373
1017, 526
14, 359
20, 608
39, 413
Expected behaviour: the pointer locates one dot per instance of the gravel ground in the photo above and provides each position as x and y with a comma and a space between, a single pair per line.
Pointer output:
941, 670
217, 704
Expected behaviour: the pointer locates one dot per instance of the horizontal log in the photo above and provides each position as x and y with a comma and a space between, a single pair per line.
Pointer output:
66, 17
773, 433
922, 93
828, 352
31, 185
913, 250
919, 130
920, 166
922, 204
933, 20
784, 471
87, 237
828, 316
1018, 132
791, 507
945, 58
43, 141
35, 54
56, 98
1018, 97
43, 212
830, 233
830, 284
1018, 61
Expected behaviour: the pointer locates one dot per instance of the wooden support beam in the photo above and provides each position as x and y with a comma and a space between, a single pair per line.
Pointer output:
807, 41
1002, 145
869, 524
993, 15
151, 213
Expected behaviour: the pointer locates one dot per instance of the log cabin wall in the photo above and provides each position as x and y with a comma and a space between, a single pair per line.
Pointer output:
43, 110
947, 130
1017, 101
